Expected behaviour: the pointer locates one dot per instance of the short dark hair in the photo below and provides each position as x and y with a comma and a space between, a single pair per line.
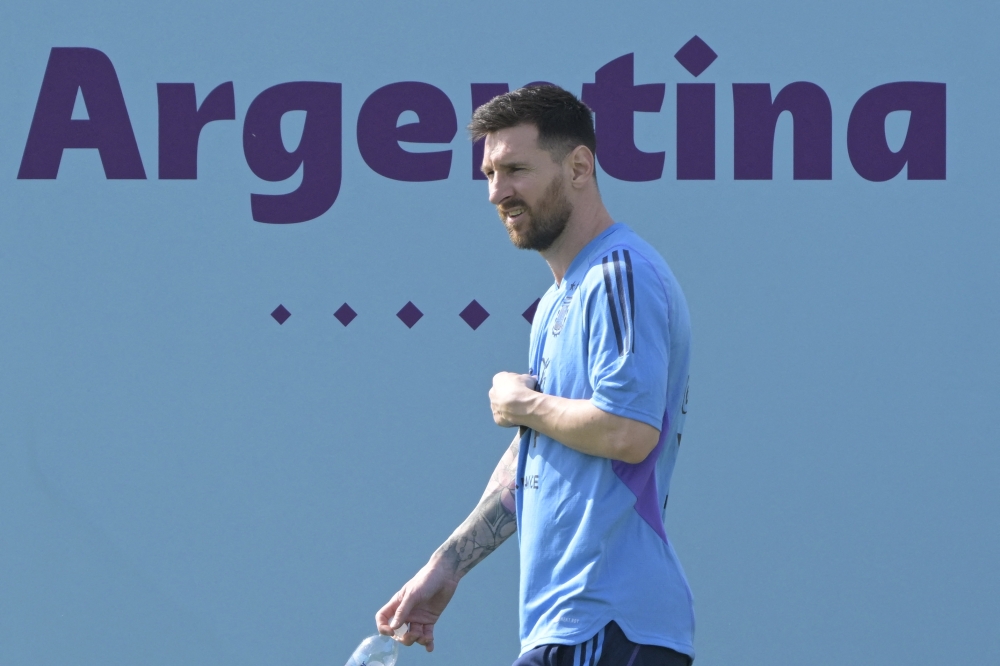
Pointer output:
563, 121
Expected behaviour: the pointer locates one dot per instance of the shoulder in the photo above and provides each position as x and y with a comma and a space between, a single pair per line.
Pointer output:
626, 297
625, 268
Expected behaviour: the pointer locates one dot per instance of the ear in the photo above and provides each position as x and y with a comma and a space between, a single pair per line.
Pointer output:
581, 165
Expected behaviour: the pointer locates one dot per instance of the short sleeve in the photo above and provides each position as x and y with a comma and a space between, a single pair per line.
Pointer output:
629, 342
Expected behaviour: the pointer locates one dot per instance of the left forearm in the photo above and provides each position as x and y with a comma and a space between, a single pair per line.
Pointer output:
570, 422
578, 424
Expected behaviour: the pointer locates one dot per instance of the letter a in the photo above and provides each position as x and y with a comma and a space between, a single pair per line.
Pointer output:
924, 151
53, 129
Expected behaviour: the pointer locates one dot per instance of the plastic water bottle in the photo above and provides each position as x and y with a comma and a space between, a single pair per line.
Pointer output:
377, 650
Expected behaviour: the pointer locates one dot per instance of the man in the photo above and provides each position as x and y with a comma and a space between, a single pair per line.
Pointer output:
585, 481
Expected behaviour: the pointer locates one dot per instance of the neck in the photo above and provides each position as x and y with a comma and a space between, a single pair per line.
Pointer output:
580, 230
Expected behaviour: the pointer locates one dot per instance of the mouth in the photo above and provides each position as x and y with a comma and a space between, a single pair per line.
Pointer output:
514, 213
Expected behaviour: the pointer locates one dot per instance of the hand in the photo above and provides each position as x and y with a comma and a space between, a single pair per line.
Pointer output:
420, 602
508, 397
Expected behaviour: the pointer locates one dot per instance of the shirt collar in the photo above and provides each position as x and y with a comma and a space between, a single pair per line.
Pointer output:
583, 258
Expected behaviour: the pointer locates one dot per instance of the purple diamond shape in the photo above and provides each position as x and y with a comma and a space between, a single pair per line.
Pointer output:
281, 314
696, 55
529, 314
474, 314
345, 314
409, 315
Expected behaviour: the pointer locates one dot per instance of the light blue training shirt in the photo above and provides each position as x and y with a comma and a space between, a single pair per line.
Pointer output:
615, 331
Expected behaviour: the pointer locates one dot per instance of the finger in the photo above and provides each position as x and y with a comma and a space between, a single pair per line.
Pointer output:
429, 634
414, 634
426, 636
383, 616
406, 603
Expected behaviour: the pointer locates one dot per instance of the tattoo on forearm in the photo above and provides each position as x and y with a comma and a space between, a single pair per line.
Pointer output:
490, 523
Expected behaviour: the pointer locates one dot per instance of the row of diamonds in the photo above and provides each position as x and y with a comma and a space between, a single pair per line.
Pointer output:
474, 314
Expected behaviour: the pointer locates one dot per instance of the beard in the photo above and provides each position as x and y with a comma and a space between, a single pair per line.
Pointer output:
546, 221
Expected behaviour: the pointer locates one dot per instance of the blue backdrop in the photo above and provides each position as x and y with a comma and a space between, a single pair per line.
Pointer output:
185, 481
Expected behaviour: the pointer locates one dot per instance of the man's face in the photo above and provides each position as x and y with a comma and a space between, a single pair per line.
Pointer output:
527, 186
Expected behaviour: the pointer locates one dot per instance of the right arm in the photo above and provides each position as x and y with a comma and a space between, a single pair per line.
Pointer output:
422, 600
490, 523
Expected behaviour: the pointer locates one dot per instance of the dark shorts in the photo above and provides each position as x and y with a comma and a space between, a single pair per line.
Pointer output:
609, 647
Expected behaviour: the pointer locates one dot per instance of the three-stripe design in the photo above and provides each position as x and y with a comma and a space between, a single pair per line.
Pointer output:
618, 279
588, 653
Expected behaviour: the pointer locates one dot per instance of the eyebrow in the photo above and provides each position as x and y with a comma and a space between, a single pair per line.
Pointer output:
504, 165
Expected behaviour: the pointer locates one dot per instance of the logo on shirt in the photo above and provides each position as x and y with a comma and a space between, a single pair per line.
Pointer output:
542, 375
563, 310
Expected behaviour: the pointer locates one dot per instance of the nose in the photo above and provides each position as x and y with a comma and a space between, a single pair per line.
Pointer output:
499, 189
